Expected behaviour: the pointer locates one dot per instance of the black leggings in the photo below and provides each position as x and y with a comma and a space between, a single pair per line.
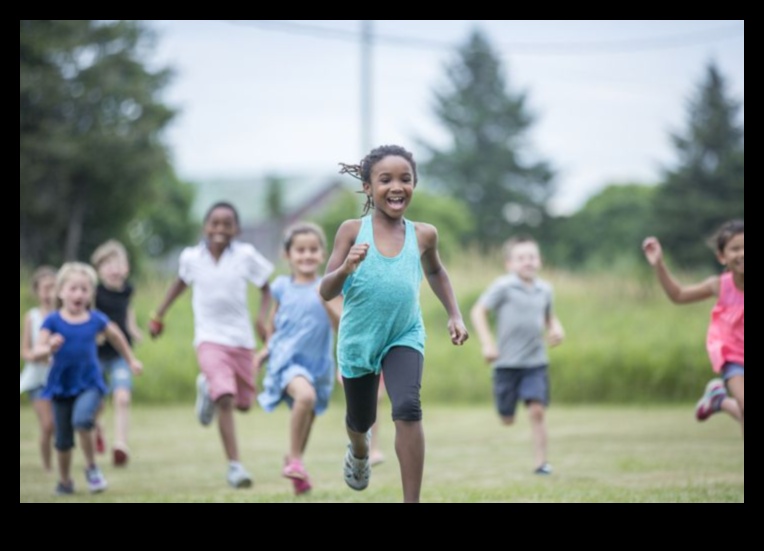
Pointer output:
402, 368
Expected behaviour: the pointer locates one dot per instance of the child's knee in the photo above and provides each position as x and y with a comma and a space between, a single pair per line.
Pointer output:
407, 410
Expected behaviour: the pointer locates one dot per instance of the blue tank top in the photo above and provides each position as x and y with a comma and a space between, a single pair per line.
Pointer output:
381, 305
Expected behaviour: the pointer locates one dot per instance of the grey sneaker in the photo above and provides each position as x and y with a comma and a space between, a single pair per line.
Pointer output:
205, 406
357, 471
544, 469
96, 481
238, 477
64, 489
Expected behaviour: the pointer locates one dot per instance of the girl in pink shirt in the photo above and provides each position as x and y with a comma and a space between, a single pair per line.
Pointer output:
725, 340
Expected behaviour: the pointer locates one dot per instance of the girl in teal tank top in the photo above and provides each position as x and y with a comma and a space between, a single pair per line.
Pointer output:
377, 265
381, 305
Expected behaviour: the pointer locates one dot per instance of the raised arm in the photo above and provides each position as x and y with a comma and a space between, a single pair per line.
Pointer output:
345, 259
676, 292
440, 283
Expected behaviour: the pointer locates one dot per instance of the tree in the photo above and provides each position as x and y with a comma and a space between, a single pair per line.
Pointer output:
707, 185
489, 164
607, 231
90, 134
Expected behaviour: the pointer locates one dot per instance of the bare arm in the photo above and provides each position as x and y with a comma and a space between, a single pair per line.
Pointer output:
480, 320
46, 345
440, 283
132, 326
263, 323
262, 355
345, 259
26, 339
176, 289
117, 339
676, 292
555, 330
334, 310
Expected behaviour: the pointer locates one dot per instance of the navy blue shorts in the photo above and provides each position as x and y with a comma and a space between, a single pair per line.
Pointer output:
511, 385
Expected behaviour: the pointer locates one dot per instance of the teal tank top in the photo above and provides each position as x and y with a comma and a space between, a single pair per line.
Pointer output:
381, 305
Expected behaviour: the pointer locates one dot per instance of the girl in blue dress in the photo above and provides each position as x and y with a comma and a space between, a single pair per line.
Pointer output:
299, 350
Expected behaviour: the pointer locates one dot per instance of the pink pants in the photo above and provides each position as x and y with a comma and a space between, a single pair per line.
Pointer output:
229, 371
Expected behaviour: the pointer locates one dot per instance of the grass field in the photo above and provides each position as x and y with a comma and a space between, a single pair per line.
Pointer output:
602, 454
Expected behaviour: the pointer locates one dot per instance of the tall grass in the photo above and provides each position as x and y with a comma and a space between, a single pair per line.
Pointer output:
625, 342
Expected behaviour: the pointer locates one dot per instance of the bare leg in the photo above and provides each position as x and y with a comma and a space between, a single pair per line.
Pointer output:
44, 411
409, 447
301, 419
87, 443
227, 427
538, 432
121, 400
736, 387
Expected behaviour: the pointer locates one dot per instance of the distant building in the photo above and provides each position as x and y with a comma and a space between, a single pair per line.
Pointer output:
266, 235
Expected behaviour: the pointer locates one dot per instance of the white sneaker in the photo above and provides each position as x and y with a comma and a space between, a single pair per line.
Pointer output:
96, 481
205, 406
357, 471
238, 477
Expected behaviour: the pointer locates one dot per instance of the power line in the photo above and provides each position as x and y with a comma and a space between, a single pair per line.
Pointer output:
633, 45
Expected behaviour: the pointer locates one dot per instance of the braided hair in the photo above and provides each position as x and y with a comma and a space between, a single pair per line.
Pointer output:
362, 171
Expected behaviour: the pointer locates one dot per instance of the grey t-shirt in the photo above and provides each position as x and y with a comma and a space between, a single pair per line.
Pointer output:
521, 310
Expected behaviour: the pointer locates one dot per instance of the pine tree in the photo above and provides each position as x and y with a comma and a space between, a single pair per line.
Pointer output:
489, 164
707, 186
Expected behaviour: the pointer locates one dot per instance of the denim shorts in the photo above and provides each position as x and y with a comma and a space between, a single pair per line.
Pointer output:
75, 413
730, 370
117, 374
512, 385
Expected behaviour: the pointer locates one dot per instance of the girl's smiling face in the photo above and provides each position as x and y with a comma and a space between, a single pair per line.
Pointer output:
392, 185
306, 254
733, 255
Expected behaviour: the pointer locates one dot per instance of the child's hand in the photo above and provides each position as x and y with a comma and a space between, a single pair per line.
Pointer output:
653, 250
261, 356
556, 336
490, 352
155, 327
356, 255
458, 331
136, 367
55, 342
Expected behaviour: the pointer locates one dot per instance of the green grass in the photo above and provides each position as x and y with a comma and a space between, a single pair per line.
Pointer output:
601, 454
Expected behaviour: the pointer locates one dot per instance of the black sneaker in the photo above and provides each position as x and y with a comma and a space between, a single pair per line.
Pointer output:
64, 489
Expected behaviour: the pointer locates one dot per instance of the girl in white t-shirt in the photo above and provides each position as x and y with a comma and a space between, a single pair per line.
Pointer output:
35, 374
220, 269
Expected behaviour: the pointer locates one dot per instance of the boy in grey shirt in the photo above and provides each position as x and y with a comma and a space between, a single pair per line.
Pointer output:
522, 306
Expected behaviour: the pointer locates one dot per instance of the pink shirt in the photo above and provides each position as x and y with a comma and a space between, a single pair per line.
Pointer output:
725, 340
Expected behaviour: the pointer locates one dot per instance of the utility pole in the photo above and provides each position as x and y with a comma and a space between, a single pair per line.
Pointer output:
366, 76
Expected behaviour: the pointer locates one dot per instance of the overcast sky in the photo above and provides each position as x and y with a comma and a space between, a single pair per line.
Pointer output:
285, 96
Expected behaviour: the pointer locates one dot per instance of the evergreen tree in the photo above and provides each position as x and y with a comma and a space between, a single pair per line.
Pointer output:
90, 127
489, 164
707, 186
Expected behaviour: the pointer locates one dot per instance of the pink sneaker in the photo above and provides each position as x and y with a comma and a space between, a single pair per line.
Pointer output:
301, 486
711, 401
294, 469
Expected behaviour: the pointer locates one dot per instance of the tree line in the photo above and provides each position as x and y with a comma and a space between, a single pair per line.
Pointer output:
94, 164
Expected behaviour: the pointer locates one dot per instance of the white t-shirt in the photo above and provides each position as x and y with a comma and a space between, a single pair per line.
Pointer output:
221, 309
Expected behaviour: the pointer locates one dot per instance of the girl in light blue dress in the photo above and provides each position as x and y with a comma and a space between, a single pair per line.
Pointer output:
300, 347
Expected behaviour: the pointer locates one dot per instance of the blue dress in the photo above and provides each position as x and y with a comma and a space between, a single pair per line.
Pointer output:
75, 367
302, 345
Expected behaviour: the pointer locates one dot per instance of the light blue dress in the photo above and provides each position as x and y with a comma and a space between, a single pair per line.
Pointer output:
302, 345
381, 305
